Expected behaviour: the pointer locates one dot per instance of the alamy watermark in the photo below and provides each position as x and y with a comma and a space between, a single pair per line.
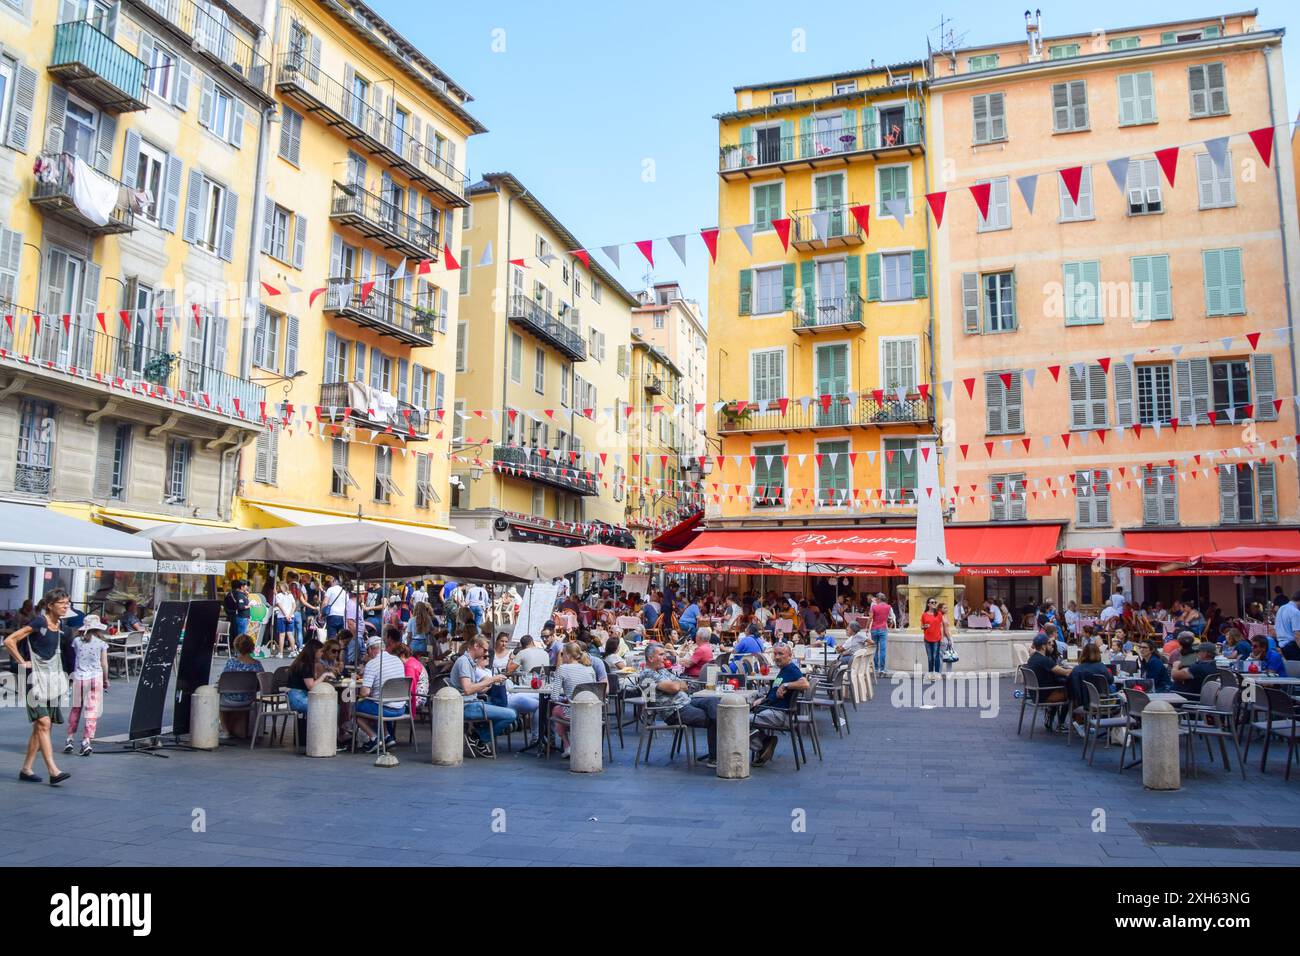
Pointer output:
978, 690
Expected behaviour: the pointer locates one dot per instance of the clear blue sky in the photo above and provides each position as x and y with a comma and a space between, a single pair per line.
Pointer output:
585, 94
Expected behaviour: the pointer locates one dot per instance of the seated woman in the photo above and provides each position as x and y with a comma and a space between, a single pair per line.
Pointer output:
574, 670
1154, 670
130, 620
413, 669
303, 675
1235, 645
330, 659
1089, 668
614, 653
236, 721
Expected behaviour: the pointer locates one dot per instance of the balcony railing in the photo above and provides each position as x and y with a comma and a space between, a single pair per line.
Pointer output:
54, 195
382, 312
863, 412
85, 351
825, 228
557, 471
305, 82
836, 312
91, 64
654, 385
214, 37
378, 218
353, 401
532, 316
816, 148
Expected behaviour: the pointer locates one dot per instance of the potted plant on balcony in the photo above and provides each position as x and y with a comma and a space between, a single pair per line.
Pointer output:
733, 416
159, 368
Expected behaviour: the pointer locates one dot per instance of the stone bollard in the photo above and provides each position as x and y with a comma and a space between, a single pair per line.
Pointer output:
1160, 744
586, 721
205, 706
733, 737
322, 720
448, 728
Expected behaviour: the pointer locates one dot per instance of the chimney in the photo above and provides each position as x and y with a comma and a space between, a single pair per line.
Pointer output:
1034, 32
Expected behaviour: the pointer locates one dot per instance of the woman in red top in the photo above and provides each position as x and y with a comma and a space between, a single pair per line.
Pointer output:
932, 629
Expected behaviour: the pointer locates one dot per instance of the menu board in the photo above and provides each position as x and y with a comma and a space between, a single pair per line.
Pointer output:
535, 609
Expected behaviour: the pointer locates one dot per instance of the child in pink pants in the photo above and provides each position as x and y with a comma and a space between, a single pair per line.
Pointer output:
89, 681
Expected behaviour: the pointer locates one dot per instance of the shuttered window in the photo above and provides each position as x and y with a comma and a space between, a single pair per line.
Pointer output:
834, 476
1143, 188
999, 205
1082, 284
424, 491
267, 467
769, 476
990, 118
1007, 497
1159, 496
1214, 189
1247, 495
290, 135
1137, 99
1092, 498
1082, 210
768, 200
1230, 381
1224, 287
898, 361
1154, 387
1069, 106
1004, 403
767, 375
1152, 296
1192, 387
899, 469
1088, 406
1207, 89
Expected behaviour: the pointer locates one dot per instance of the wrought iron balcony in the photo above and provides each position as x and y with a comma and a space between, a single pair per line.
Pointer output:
835, 313
303, 81
833, 227
558, 472
654, 385
90, 64
530, 315
376, 217
828, 148
386, 314
351, 402
54, 196
225, 46
839, 412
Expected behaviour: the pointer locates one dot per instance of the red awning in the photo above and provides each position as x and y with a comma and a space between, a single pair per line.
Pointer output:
679, 535
1002, 552
1250, 561
1115, 558
626, 555
1189, 544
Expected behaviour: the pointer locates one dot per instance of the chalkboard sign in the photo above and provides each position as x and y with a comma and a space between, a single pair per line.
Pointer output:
195, 667
159, 654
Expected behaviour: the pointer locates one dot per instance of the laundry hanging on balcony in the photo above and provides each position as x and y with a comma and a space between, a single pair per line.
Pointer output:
94, 196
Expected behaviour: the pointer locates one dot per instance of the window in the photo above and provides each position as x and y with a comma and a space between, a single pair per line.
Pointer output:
211, 214
161, 66
770, 291
768, 200
1088, 408
1215, 188
659, 320
462, 344
896, 274
1208, 90
1070, 106
222, 115
539, 502
1125, 43
564, 386
1092, 497
780, 97
898, 362
340, 477
1155, 394
466, 218
620, 482
177, 483
81, 131
900, 469
385, 487
1004, 403
1007, 497
769, 476
999, 205
360, 98
767, 375
543, 248
1062, 51
1159, 496
834, 474
1152, 298
464, 270
539, 372
894, 182
1137, 99
1081, 292
1231, 383
831, 377
1224, 292
7, 69
991, 295
424, 492
1143, 188
596, 290
1082, 210
290, 135
35, 448
989, 110
279, 226
516, 358
848, 86
978, 64
267, 455
1248, 495
149, 179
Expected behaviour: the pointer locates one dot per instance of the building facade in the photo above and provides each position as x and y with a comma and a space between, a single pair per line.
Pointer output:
672, 323
542, 364
658, 466
1105, 344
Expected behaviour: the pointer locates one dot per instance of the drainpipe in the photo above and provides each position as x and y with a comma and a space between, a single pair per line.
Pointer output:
254, 239
1282, 227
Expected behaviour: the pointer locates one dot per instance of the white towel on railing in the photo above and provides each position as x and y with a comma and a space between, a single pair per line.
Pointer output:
94, 196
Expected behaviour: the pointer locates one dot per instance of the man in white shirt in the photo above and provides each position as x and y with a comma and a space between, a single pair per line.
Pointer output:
994, 612
1108, 612
335, 606
380, 666
1117, 599
476, 599
733, 614
530, 655
419, 595
561, 588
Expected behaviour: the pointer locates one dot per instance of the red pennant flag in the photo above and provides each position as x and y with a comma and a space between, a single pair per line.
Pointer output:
964, 449
1263, 140
878, 395
99, 317
1137, 429
67, 324
783, 404
924, 390
782, 227
936, 201
1277, 407
314, 295
862, 215
1072, 177
1253, 339
452, 264
1101, 433
1104, 362
981, 193
925, 452
889, 456
583, 256
9, 321
826, 403
1065, 439
970, 386
1173, 423
1025, 442
270, 289
1056, 372
647, 247
1168, 160
1005, 378
366, 289
1214, 417
197, 320
710, 237
125, 316
518, 262
988, 448
1248, 411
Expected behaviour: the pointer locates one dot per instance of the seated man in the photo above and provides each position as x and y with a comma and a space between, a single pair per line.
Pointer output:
751, 643
130, 619
666, 691
771, 711
701, 655
1190, 674
858, 639
380, 666
1267, 660
472, 676
1051, 681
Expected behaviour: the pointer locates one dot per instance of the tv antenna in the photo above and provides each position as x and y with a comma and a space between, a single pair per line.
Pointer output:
949, 39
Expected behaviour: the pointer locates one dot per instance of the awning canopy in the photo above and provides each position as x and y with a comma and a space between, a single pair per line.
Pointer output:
680, 535
1248, 561
626, 555
302, 518
1114, 558
33, 536
1189, 544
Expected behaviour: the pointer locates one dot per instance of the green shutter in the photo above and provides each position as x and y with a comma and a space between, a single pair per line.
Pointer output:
807, 276
787, 285
912, 121
746, 144
853, 277
870, 138
1162, 306
873, 277
805, 137
746, 292
1166, 38
920, 279
1210, 33
1212, 266
787, 140
849, 127
1234, 298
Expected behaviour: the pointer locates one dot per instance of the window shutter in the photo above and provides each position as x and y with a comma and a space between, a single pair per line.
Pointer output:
1150, 496
359, 373
920, 278
377, 359
1234, 296
268, 225
1061, 107
403, 375
1168, 486
1265, 387
171, 194
104, 459
259, 337
1099, 412
746, 292
1216, 88
1228, 494
1212, 266
805, 137
980, 115
207, 95
130, 158
1161, 294
808, 290
181, 91
997, 116
262, 462
873, 277
1142, 290
331, 357
1083, 499
1128, 106
998, 499
1144, 87
21, 108
1124, 404
192, 203
1101, 497
237, 125
994, 404
1079, 418
299, 240
970, 302
787, 140
291, 345
11, 252
787, 285
1267, 479
230, 211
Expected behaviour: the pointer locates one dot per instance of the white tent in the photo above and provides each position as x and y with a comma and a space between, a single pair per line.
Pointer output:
33, 536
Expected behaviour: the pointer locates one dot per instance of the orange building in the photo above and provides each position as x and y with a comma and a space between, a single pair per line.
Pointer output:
1116, 385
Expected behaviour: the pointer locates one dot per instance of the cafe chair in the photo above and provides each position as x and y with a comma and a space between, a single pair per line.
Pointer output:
792, 728
393, 693
1136, 702
223, 639
1215, 717
653, 719
1032, 697
1102, 713
828, 693
238, 682
271, 706
861, 684
614, 707
1279, 720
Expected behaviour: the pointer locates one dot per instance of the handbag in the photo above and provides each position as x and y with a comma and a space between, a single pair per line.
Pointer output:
948, 654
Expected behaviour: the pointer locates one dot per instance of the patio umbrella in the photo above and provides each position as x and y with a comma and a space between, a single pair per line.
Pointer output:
524, 561
706, 555
169, 530
1116, 558
1248, 561
626, 555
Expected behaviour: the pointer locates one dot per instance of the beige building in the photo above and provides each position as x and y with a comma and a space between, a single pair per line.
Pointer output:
543, 355
673, 324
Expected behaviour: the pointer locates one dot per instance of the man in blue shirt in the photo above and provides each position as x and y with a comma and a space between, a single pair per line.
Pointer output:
771, 711
1287, 621
687, 622
1269, 661
749, 644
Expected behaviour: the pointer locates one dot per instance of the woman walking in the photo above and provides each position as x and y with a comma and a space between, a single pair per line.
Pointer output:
44, 637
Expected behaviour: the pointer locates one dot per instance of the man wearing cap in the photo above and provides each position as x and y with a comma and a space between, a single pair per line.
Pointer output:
237, 609
380, 666
1189, 674
1287, 621
1051, 681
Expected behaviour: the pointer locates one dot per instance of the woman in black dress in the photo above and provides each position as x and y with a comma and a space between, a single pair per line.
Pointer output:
43, 638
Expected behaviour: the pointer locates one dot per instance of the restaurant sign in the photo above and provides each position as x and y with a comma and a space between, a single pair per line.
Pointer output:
70, 561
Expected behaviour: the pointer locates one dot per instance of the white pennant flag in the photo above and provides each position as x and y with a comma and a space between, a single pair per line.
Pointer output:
1028, 189
802, 459
612, 253
1218, 150
745, 234
821, 224
871, 457
1119, 171
1177, 350
947, 390
486, 258
895, 208
679, 246
1031, 374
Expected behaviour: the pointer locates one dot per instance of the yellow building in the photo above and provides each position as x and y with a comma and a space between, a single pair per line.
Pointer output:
542, 362
130, 136
658, 464
822, 344
362, 177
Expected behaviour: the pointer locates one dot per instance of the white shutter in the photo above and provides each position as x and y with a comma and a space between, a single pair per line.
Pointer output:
1098, 410
1101, 497
1124, 398
994, 404
1078, 400
1266, 477
1265, 387
970, 302
1228, 495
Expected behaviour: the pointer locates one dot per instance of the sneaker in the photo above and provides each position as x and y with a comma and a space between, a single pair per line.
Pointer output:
86, 749
390, 741
1078, 728
471, 744
370, 745
711, 762
69, 747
